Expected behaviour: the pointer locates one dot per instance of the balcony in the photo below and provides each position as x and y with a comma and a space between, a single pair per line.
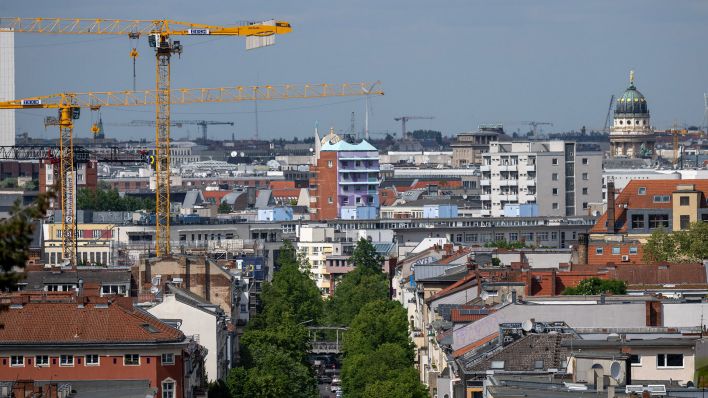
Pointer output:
530, 167
512, 197
486, 197
485, 212
508, 183
484, 182
531, 182
507, 167
485, 167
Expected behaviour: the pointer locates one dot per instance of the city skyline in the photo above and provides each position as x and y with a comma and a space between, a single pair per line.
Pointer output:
465, 64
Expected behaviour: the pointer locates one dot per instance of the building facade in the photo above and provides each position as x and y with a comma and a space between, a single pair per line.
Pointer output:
345, 180
631, 135
553, 175
467, 150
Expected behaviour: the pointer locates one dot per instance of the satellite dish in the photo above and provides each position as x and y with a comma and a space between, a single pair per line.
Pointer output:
615, 370
464, 196
243, 154
484, 295
234, 154
540, 328
527, 325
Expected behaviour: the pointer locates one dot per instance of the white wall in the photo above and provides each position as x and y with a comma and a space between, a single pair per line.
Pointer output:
194, 321
7, 86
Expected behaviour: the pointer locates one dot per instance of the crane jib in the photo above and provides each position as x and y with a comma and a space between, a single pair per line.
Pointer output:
198, 31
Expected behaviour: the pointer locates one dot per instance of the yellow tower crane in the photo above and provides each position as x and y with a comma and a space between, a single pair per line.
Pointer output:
159, 33
69, 105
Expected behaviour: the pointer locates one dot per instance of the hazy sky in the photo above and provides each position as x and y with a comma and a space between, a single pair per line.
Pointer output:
464, 62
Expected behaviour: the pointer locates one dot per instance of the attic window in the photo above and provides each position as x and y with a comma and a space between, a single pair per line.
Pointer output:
642, 191
662, 198
150, 328
497, 365
538, 364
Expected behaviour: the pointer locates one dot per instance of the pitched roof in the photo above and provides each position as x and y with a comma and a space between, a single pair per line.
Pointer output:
54, 323
463, 350
462, 284
631, 197
282, 185
345, 146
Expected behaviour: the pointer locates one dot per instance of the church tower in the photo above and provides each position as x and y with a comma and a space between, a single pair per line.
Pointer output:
631, 135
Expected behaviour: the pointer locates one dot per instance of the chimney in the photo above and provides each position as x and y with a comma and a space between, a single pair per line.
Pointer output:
611, 207
583, 242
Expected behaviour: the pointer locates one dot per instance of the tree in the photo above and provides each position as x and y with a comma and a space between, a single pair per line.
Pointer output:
356, 289
377, 323
690, 245
16, 237
286, 336
224, 208
365, 256
275, 375
385, 372
592, 286
291, 291
110, 200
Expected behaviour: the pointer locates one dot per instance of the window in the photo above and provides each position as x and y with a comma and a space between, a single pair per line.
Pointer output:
17, 360
555, 191
633, 250
685, 221
168, 359
66, 360
635, 360
168, 389
669, 360
243, 308
497, 365
542, 236
585, 205
642, 191
684, 200
554, 161
599, 251
637, 221
329, 164
329, 199
585, 160
131, 359
554, 176
92, 360
555, 206
662, 198
513, 236
616, 250
658, 221
585, 191
538, 364
41, 360
554, 235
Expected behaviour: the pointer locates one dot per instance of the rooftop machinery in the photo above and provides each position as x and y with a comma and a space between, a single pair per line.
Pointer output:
69, 105
160, 33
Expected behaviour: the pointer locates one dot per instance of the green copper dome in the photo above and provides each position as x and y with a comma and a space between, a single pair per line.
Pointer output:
631, 102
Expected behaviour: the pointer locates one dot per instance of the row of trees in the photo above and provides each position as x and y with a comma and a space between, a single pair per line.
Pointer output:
275, 344
591, 286
690, 245
378, 352
109, 200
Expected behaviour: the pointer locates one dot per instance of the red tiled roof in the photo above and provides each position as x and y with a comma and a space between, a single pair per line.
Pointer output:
286, 193
440, 184
216, 195
630, 197
457, 315
472, 346
72, 323
282, 184
649, 274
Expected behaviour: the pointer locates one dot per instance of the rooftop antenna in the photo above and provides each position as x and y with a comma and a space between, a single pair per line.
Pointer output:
352, 131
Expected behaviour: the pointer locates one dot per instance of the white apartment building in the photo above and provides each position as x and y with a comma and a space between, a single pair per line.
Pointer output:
551, 176
315, 243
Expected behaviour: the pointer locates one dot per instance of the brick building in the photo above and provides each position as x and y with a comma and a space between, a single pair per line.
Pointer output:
66, 339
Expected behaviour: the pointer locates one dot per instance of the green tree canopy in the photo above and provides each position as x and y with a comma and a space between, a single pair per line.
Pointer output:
690, 245
592, 286
110, 200
286, 336
224, 208
377, 323
274, 375
16, 237
365, 256
291, 291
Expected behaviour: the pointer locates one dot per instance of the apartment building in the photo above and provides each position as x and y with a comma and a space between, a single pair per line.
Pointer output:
315, 244
345, 180
552, 175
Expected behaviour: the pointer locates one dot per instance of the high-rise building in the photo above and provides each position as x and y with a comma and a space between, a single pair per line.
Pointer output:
345, 180
631, 135
7, 86
551, 178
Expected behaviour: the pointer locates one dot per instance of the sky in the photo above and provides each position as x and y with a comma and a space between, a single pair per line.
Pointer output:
464, 62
